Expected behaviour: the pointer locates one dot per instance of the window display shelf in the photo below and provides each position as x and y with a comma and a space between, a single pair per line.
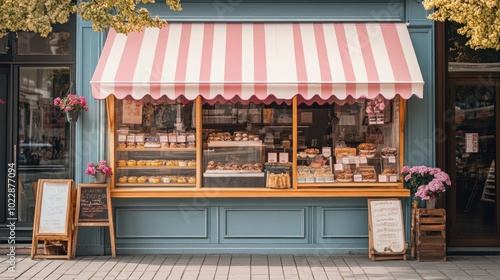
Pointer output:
235, 144
182, 150
226, 173
155, 184
343, 190
157, 167
353, 184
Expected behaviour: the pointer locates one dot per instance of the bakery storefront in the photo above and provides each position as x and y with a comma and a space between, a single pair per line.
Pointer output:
254, 137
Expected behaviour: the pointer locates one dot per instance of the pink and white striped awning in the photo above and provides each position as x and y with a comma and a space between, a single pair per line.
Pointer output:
260, 62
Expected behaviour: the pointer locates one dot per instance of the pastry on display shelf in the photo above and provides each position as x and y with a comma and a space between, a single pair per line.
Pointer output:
367, 150
154, 179
131, 162
132, 179
388, 152
389, 171
122, 179
121, 163
344, 175
142, 179
165, 179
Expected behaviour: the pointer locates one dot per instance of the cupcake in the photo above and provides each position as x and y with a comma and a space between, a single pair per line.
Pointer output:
181, 180
121, 163
191, 163
141, 163
122, 179
142, 179
191, 180
131, 162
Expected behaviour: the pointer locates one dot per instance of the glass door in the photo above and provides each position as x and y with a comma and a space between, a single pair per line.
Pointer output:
43, 135
473, 219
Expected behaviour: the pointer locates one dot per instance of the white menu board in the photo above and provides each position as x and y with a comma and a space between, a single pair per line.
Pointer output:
386, 225
53, 209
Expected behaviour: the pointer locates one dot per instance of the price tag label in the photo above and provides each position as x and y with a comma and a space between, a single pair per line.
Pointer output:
393, 178
326, 151
345, 160
181, 138
272, 157
172, 138
358, 178
283, 157
392, 159
352, 160
382, 178
338, 166
163, 138
362, 160
122, 137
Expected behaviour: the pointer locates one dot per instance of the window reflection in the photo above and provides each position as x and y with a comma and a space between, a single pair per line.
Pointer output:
56, 43
4, 46
43, 148
462, 58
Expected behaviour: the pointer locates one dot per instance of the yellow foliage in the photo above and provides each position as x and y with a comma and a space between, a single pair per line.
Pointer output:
480, 19
39, 15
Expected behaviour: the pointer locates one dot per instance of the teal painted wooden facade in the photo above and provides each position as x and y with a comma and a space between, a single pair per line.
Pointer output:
260, 225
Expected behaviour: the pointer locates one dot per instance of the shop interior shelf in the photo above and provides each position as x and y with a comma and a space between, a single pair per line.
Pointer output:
233, 174
235, 144
157, 167
182, 150
155, 185
352, 184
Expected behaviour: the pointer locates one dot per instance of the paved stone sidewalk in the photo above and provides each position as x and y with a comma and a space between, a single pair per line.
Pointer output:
258, 267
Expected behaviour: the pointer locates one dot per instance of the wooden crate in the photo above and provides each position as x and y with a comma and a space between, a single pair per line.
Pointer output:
430, 234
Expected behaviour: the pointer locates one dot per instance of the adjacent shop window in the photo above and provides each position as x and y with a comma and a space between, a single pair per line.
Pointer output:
56, 43
44, 135
4, 45
462, 58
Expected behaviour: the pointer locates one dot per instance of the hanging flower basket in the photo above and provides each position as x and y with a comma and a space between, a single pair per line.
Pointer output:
72, 104
72, 116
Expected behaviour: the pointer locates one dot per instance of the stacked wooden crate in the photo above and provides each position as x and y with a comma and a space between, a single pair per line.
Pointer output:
429, 234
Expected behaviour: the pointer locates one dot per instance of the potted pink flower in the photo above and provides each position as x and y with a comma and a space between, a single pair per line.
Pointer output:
100, 171
72, 104
427, 183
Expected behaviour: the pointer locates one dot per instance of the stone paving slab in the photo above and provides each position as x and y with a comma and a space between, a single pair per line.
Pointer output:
250, 267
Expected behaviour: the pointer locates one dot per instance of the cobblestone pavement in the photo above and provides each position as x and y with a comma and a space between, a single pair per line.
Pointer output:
273, 267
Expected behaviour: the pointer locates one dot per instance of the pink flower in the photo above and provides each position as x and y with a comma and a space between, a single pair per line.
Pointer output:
100, 166
426, 182
71, 102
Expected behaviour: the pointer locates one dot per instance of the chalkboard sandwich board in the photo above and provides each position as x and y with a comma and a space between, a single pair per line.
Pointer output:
93, 202
386, 229
93, 208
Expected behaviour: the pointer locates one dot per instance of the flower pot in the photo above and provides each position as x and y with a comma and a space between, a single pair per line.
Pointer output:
431, 203
72, 116
100, 177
